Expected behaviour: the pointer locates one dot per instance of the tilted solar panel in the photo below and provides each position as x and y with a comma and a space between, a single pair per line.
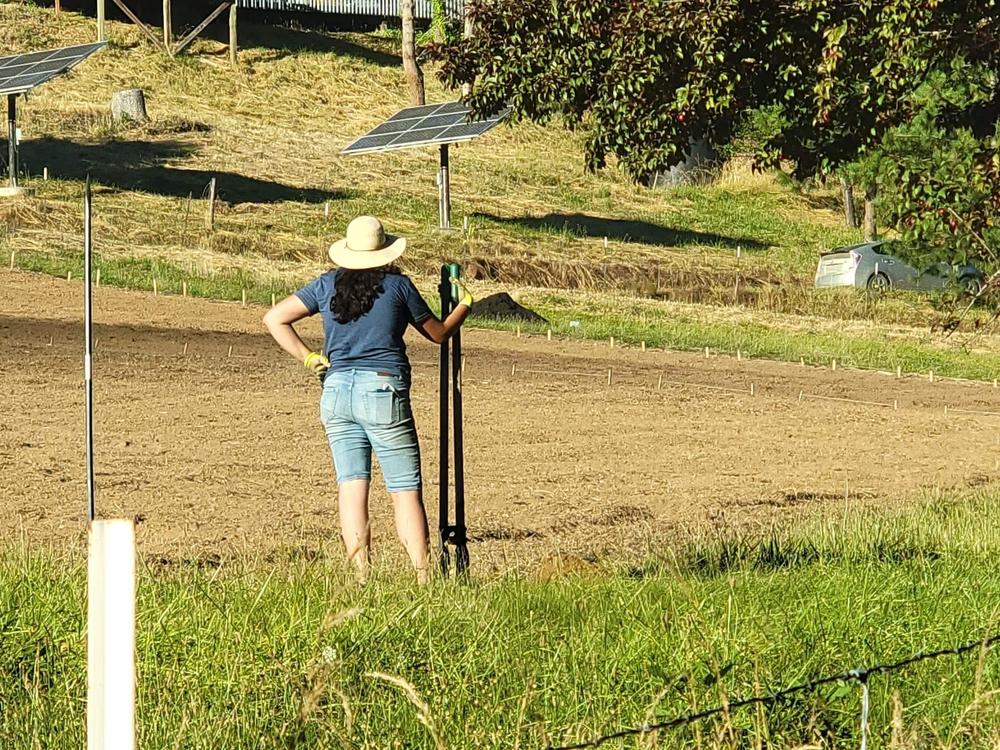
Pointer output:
431, 124
21, 73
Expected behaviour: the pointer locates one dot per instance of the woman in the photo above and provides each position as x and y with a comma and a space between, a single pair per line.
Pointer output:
366, 305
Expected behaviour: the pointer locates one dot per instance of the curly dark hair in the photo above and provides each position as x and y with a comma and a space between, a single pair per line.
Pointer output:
354, 292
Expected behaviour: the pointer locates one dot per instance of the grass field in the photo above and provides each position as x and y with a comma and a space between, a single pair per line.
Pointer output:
286, 653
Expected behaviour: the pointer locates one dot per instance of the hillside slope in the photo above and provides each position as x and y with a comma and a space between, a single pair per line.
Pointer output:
271, 132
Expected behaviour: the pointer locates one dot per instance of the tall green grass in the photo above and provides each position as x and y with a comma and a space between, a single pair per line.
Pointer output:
289, 654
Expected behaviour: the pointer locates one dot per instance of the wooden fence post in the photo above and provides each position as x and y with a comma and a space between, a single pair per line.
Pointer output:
168, 32
210, 220
232, 34
102, 33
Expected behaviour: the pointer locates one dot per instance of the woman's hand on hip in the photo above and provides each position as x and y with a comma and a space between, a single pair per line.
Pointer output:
316, 363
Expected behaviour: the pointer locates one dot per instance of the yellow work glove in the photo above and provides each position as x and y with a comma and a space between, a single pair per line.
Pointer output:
464, 295
316, 362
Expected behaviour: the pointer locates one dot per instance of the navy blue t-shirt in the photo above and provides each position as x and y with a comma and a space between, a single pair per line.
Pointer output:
375, 340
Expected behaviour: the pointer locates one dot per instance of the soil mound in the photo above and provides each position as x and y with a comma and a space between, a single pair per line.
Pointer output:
503, 306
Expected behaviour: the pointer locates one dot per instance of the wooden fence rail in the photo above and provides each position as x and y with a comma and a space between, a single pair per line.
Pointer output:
422, 9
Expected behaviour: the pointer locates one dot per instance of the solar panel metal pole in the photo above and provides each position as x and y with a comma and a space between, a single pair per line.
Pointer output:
88, 338
443, 445
12, 138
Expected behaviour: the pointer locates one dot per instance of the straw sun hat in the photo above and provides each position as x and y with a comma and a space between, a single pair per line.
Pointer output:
366, 245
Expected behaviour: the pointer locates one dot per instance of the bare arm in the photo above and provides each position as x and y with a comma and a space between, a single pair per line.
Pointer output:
438, 331
279, 320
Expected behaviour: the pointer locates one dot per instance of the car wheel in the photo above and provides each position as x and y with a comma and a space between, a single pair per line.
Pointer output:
879, 283
970, 285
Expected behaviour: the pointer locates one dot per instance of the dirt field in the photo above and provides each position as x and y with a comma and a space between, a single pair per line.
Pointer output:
218, 454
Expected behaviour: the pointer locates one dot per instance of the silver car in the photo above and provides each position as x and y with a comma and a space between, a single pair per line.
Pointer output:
871, 266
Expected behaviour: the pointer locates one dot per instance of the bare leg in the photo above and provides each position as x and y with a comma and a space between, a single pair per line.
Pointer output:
411, 525
354, 525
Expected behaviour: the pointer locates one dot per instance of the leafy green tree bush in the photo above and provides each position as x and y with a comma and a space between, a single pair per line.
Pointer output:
645, 77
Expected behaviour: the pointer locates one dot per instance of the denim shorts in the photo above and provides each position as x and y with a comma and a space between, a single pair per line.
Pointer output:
363, 410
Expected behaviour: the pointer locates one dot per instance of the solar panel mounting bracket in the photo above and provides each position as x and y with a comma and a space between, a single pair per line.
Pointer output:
439, 125
19, 74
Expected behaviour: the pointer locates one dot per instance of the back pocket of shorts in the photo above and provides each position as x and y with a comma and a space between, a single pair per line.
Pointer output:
328, 404
380, 407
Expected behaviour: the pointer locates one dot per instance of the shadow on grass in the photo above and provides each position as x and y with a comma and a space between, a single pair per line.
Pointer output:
834, 203
145, 166
623, 230
289, 41
287, 31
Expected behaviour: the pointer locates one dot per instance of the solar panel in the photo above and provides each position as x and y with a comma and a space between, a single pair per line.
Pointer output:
431, 124
21, 73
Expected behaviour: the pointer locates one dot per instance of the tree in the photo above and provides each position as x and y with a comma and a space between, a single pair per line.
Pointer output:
644, 77
414, 75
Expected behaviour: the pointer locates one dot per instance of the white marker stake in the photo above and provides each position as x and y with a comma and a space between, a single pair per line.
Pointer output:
111, 636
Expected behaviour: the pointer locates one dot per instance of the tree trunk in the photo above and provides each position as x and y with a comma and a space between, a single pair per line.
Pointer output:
414, 76
871, 229
129, 106
850, 216
468, 25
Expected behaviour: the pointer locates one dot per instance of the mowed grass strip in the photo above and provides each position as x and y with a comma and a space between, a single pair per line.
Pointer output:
288, 653
571, 317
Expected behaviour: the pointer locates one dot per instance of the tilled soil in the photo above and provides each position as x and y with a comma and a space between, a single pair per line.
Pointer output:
209, 436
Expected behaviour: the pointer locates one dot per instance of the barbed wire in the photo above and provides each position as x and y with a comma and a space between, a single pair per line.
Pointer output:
859, 675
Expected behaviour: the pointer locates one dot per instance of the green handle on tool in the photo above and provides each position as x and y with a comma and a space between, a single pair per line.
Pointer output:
455, 271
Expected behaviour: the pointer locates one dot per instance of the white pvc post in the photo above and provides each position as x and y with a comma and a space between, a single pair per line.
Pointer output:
111, 636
